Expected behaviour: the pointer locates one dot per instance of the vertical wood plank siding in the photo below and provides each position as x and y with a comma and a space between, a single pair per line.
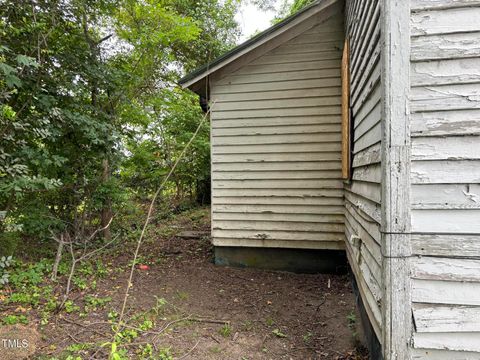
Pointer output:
445, 176
276, 146
363, 194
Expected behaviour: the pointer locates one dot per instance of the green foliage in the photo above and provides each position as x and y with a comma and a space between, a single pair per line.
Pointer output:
84, 84
94, 302
225, 330
5, 262
288, 8
14, 319
278, 333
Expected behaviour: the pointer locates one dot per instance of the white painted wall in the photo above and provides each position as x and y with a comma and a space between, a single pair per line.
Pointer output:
445, 176
276, 146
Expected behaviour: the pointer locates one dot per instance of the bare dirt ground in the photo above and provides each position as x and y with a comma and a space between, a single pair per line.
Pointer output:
201, 311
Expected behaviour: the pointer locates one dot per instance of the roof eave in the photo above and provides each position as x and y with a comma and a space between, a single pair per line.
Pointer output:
196, 79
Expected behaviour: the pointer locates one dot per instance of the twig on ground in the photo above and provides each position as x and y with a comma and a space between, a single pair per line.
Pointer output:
189, 351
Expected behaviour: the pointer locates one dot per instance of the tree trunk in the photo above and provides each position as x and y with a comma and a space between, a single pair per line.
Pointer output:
107, 206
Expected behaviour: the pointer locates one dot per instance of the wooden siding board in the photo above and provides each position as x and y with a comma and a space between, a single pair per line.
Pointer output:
446, 148
420, 5
467, 341
432, 354
445, 72
446, 172
446, 245
446, 46
446, 123
446, 221
446, 269
443, 318
445, 21
445, 292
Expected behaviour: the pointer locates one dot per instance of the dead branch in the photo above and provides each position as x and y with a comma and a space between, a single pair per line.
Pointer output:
189, 351
148, 218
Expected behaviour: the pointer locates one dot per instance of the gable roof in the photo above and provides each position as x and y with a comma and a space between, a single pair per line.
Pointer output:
196, 80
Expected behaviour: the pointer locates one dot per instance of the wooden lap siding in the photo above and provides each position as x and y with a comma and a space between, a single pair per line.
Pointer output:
276, 146
445, 177
363, 194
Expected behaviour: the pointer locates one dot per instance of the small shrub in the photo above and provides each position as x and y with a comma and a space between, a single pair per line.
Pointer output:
5, 262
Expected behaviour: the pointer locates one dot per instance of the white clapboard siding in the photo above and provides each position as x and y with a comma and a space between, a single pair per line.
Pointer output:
446, 123
446, 196
372, 306
296, 243
446, 172
469, 341
280, 94
272, 86
431, 354
363, 193
445, 177
457, 245
276, 146
446, 292
446, 46
446, 148
448, 269
277, 122
446, 221
443, 72
445, 21
420, 5
443, 318
445, 97
268, 130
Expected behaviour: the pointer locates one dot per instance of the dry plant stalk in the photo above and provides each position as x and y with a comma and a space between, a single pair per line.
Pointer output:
147, 220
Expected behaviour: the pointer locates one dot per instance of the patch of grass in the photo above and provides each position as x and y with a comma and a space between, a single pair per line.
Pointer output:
182, 295
248, 325
307, 337
278, 333
15, 319
269, 322
352, 323
225, 330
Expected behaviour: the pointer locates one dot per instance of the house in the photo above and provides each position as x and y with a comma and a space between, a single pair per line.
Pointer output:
353, 127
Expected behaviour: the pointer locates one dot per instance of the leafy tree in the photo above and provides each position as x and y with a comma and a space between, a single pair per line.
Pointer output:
87, 89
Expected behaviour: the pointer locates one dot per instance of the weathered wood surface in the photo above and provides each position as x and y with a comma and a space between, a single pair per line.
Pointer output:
446, 123
446, 46
445, 21
429, 354
451, 341
446, 269
295, 243
446, 148
362, 195
446, 172
396, 206
446, 245
276, 146
419, 5
465, 221
446, 292
443, 318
